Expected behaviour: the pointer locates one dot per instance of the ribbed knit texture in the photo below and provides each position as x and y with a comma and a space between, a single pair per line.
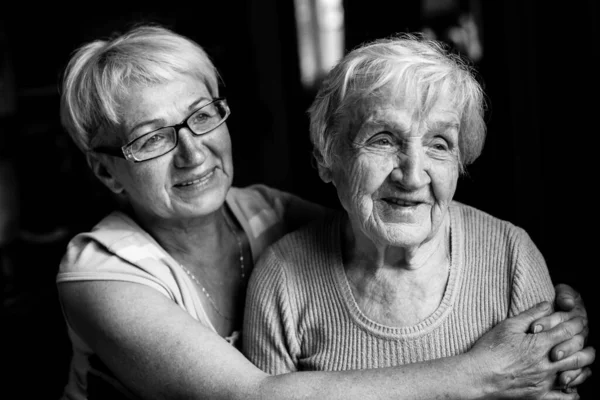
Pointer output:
301, 314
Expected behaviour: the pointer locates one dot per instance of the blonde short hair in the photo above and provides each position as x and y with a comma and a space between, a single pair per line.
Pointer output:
103, 72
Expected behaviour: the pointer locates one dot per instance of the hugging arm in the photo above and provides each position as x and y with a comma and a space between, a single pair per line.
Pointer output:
159, 352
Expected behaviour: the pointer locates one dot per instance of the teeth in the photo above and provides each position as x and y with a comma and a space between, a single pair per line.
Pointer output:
204, 178
403, 203
190, 183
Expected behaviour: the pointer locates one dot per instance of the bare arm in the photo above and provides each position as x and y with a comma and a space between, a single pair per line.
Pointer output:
179, 358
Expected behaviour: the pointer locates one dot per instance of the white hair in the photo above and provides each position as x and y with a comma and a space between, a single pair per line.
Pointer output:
410, 67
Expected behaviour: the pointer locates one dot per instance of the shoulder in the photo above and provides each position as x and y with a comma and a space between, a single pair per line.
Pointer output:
257, 195
257, 202
300, 259
482, 224
484, 234
263, 196
266, 210
113, 245
308, 246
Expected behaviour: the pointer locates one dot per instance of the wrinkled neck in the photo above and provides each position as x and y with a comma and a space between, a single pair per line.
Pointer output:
360, 250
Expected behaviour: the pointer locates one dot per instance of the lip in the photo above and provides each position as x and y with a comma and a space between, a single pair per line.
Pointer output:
403, 201
197, 179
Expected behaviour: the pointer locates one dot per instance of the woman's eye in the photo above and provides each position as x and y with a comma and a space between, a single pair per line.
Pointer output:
153, 141
440, 145
382, 140
200, 118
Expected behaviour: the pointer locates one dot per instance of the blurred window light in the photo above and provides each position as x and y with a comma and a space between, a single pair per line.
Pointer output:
456, 22
320, 28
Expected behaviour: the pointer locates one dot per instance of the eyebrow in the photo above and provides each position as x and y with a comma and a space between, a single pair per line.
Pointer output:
444, 125
193, 106
375, 121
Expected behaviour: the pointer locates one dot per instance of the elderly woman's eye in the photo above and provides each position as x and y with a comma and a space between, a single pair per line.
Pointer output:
382, 140
440, 145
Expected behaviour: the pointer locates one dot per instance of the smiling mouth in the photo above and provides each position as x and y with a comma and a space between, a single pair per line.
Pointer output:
402, 203
196, 181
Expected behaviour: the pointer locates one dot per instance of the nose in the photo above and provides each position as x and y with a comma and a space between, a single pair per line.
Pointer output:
411, 170
190, 150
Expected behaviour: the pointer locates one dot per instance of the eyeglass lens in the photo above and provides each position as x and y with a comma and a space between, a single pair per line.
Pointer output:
164, 140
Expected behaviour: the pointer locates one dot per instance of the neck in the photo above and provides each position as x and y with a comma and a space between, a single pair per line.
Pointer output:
397, 286
358, 248
192, 240
213, 253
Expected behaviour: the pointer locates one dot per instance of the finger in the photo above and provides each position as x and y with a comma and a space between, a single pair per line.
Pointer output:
582, 377
523, 320
568, 347
549, 321
581, 359
568, 377
564, 331
561, 395
566, 297
556, 318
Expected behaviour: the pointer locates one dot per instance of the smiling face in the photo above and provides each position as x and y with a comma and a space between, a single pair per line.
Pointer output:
397, 174
190, 181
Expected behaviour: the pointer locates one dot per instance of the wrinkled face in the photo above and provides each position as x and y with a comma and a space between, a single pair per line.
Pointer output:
396, 175
190, 181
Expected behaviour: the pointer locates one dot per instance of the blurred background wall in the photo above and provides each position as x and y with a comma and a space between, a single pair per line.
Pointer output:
537, 170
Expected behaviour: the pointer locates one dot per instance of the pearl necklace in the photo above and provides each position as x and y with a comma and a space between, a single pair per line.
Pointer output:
243, 273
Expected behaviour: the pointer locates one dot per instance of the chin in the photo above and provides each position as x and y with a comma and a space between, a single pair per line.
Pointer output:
404, 236
206, 201
207, 206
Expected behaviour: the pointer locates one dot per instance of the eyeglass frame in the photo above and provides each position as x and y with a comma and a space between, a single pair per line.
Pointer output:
125, 150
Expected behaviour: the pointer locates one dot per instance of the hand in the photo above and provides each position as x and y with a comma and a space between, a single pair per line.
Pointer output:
515, 363
569, 305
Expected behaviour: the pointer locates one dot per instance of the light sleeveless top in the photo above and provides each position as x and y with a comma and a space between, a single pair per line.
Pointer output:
117, 248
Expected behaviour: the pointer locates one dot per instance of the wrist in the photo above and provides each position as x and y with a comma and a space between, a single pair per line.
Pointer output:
481, 381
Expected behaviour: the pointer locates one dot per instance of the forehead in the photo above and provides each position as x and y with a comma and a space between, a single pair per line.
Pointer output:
406, 113
163, 103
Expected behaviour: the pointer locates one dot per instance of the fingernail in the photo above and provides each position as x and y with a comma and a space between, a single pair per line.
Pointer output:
537, 329
559, 356
567, 381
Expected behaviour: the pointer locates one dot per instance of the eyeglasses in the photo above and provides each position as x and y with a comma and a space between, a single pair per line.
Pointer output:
161, 141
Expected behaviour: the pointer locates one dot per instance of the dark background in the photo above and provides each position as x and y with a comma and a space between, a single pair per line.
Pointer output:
537, 168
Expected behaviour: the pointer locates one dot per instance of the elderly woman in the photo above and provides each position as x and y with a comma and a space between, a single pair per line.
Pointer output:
153, 295
403, 274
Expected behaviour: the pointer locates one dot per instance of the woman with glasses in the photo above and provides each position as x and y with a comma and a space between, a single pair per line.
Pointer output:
153, 295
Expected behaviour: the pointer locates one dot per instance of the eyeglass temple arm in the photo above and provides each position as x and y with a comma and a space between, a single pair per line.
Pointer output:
111, 151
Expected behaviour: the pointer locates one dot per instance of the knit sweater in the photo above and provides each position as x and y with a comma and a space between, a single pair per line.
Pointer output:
301, 313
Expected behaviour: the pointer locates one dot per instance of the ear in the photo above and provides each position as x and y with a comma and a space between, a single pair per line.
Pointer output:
104, 173
325, 173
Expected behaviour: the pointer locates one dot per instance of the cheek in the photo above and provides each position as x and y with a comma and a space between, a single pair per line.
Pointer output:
147, 180
222, 145
444, 181
369, 173
359, 178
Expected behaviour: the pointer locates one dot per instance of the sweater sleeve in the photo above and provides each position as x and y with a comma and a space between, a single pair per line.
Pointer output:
531, 280
268, 338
